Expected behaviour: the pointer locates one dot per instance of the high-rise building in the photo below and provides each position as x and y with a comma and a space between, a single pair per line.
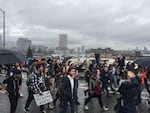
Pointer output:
63, 41
82, 49
62, 48
1, 41
23, 44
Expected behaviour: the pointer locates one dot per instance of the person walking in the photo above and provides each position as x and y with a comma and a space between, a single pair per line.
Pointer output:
68, 91
95, 91
32, 67
47, 77
36, 86
12, 88
59, 82
130, 91
105, 76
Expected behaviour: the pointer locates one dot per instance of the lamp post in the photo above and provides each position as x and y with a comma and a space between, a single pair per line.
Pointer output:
3, 27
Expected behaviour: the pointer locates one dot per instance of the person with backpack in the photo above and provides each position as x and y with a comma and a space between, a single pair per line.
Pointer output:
47, 78
36, 86
32, 67
59, 78
95, 91
31, 71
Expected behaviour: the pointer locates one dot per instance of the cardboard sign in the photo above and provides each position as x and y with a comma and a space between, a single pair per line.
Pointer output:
43, 99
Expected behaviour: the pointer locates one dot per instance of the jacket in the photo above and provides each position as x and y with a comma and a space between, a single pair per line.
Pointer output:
130, 92
66, 89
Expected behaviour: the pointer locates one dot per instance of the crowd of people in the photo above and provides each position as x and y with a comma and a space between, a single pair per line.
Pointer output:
127, 79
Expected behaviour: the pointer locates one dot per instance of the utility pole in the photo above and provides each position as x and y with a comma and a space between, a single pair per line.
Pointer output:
3, 27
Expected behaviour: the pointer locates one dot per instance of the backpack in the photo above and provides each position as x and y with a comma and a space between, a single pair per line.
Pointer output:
28, 82
96, 88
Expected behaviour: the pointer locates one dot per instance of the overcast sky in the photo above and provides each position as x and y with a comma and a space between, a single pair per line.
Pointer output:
120, 24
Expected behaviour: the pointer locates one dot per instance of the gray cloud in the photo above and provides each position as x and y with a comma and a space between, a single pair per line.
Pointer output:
93, 23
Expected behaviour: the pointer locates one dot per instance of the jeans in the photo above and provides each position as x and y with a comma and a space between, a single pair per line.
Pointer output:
13, 102
65, 105
30, 98
93, 96
105, 85
114, 80
131, 109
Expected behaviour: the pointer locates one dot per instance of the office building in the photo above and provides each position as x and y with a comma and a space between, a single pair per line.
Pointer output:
63, 41
23, 44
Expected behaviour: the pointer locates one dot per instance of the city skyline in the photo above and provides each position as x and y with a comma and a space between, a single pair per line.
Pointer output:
111, 23
14, 44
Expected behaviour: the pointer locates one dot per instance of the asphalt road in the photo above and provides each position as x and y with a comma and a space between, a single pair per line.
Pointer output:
93, 105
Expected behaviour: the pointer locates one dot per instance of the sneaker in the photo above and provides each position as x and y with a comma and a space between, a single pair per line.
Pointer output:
86, 107
105, 109
116, 89
51, 106
26, 110
68, 104
43, 111
117, 93
21, 95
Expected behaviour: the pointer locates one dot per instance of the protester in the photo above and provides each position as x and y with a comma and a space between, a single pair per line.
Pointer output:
143, 77
59, 81
87, 78
19, 67
12, 89
32, 67
37, 86
67, 81
121, 65
78, 68
47, 77
130, 91
57, 67
114, 78
68, 91
95, 91
105, 77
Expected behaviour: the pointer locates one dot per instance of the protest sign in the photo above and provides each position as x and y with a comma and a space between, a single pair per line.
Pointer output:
43, 99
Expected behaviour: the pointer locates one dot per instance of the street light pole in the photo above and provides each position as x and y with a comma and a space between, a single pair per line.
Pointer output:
3, 27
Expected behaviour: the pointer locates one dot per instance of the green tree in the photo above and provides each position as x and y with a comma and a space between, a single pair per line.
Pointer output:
29, 53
